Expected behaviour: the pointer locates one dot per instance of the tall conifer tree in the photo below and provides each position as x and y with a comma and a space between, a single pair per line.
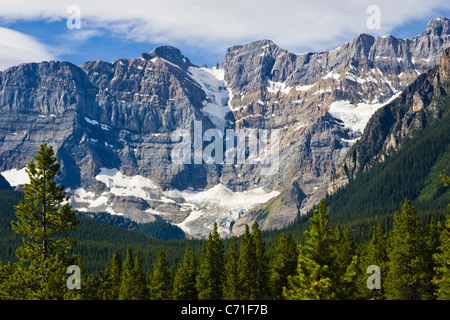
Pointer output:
211, 272
375, 255
43, 219
283, 264
231, 283
442, 257
313, 280
126, 283
247, 267
184, 286
139, 279
262, 264
160, 287
407, 275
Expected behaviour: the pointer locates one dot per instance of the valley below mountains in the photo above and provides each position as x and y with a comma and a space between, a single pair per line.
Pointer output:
116, 127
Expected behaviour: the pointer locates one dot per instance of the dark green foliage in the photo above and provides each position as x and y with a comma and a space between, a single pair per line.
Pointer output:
313, 279
283, 263
184, 286
408, 269
375, 254
261, 285
442, 260
158, 229
231, 284
211, 270
383, 189
160, 286
247, 276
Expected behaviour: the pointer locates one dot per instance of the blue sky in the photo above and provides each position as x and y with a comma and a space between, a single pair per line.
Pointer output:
201, 29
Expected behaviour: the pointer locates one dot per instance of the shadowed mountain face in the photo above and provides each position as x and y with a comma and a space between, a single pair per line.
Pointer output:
116, 127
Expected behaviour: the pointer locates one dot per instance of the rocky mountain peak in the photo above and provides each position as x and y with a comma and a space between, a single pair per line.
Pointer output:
438, 26
170, 54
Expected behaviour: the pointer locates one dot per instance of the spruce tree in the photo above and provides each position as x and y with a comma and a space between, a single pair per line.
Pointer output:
110, 279
211, 268
247, 267
139, 279
262, 264
88, 285
43, 219
407, 277
283, 264
104, 284
344, 264
430, 247
160, 287
375, 254
313, 280
126, 283
442, 259
184, 285
115, 277
231, 283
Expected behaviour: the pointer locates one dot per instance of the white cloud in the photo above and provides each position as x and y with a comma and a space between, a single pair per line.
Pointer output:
16, 48
293, 24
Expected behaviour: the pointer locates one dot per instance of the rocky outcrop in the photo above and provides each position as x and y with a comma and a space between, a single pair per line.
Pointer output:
405, 117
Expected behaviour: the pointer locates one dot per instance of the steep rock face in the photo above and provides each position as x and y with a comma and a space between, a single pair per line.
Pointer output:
114, 125
405, 117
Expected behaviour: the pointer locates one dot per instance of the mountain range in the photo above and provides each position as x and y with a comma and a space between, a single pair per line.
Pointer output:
115, 126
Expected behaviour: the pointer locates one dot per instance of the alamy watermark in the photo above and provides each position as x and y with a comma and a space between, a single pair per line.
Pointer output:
74, 280
374, 281
234, 146
74, 19
374, 20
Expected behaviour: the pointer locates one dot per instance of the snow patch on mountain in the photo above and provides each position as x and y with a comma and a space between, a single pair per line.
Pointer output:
121, 185
217, 204
216, 105
16, 177
356, 116
275, 87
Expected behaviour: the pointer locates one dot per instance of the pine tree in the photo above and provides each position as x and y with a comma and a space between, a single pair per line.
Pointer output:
211, 268
313, 280
344, 264
283, 264
160, 287
442, 259
247, 267
43, 219
87, 284
126, 283
104, 284
375, 255
262, 264
430, 247
110, 279
231, 283
139, 279
115, 277
184, 285
407, 277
